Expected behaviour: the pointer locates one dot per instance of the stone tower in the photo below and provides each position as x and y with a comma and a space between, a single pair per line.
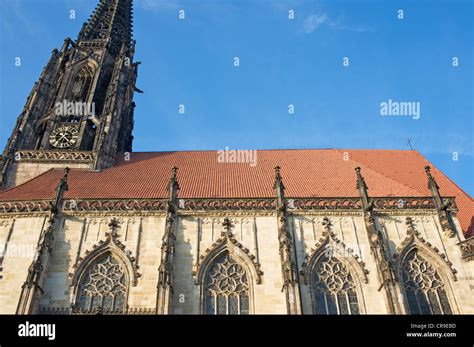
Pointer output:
80, 111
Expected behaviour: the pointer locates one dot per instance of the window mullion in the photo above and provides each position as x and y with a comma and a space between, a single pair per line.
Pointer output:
227, 304
239, 309
348, 303
438, 299
216, 309
326, 302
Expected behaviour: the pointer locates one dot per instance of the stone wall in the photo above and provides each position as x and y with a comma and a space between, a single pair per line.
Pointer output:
24, 235
22, 171
196, 236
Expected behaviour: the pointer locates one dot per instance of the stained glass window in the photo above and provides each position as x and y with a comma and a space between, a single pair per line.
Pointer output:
424, 289
333, 288
104, 285
226, 288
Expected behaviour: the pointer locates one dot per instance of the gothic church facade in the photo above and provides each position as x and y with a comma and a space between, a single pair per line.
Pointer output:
88, 226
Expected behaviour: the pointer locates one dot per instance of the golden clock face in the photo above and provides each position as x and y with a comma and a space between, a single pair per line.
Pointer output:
64, 137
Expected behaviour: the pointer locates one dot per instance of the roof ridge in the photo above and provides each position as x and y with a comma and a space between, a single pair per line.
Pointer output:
275, 149
366, 166
451, 181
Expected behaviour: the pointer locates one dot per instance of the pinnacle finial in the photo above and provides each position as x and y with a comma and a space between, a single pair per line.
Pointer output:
114, 225
431, 179
278, 185
63, 183
60, 189
173, 185
227, 224
327, 224
111, 21
277, 171
362, 187
433, 187
278, 178
360, 179
410, 225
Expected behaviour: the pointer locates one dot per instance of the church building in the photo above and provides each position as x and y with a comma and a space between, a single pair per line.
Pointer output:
88, 226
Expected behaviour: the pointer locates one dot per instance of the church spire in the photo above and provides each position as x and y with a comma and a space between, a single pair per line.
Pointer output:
111, 22
80, 113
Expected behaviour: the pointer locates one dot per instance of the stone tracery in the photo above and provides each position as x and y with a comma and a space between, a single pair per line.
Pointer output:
226, 287
424, 288
104, 285
333, 287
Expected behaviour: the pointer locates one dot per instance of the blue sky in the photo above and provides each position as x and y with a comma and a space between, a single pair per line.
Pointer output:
282, 62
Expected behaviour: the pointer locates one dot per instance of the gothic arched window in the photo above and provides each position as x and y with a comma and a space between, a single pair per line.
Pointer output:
424, 289
82, 84
226, 287
333, 287
103, 285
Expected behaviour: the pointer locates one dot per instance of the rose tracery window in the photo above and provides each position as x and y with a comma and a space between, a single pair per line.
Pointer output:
104, 285
226, 288
424, 289
333, 288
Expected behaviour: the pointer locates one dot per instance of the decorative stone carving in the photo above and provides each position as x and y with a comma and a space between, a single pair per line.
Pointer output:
111, 245
55, 156
115, 205
5, 222
104, 286
467, 248
227, 204
424, 288
226, 288
227, 242
331, 245
220, 220
25, 206
333, 287
413, 240
289, 267
403, 203
165, 269
444, 206
159, 205
80, 311
324, 204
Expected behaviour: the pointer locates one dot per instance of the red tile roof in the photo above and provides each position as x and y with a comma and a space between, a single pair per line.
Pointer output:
306, 173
